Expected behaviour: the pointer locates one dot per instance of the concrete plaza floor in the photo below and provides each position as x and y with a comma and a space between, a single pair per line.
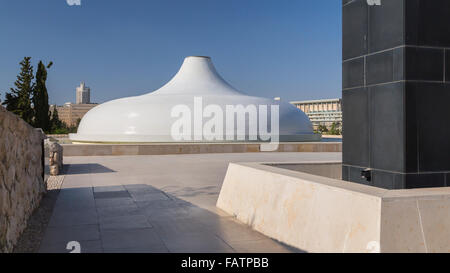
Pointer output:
163, 203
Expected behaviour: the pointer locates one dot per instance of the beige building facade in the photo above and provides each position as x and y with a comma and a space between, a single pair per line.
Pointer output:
70, 113
322, 112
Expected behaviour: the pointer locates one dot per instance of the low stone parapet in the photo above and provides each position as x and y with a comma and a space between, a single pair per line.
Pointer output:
299, 207
195, 148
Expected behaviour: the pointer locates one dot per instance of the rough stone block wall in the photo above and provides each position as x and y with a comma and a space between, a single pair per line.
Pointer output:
21, 181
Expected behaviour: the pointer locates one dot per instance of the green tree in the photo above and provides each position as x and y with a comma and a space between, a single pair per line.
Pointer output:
335, 129
18, 100
40, 99
55, 122
322, 129
74, 128
11, 102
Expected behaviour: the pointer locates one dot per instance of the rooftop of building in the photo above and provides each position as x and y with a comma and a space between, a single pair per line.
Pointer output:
316, 101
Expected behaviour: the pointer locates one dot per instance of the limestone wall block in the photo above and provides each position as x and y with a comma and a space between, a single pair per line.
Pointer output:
21, 181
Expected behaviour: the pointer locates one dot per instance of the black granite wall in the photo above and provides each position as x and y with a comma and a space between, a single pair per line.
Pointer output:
396, 93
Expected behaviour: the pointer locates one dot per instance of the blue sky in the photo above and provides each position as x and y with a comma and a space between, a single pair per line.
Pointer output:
269, 48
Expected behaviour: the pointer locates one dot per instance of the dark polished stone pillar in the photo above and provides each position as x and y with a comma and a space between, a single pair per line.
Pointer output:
396, 93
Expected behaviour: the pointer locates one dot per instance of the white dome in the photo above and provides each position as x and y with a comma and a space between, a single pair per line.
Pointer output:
148, 118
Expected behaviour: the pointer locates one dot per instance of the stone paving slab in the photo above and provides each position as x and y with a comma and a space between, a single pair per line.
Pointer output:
94, 246
142, 239
61, 218
106, 212
109, 189
262, 246
112, 194
196, 243
155, 204
125, 222
149, 196
63, 235
113, 202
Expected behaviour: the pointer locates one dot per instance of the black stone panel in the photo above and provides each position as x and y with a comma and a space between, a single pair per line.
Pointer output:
382, 180
354, 29
355, 108
399, 64
345, 172
429, 103
386, 66
387, 121
411, 129
427, 22
353, 73
388, 180
386, 25
447, 65
428, 180
424, 64
354, 175
346, 1
395, 181
399, 181
380, 68
411, 22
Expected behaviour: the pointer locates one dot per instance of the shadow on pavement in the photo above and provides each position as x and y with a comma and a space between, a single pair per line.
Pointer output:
87, 168
141, 218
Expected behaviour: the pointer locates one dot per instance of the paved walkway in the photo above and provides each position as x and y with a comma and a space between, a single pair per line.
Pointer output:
155, 204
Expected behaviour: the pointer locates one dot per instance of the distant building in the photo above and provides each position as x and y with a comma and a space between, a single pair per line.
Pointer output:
70, 113
322, 112
83, 94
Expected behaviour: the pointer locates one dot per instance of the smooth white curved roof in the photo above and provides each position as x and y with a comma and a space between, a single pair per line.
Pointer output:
147, 118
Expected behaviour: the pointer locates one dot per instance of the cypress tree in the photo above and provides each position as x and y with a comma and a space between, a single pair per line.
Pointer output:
55, 121
18, 100
40, 99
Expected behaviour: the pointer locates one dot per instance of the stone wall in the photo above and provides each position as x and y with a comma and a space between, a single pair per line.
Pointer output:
21, 176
